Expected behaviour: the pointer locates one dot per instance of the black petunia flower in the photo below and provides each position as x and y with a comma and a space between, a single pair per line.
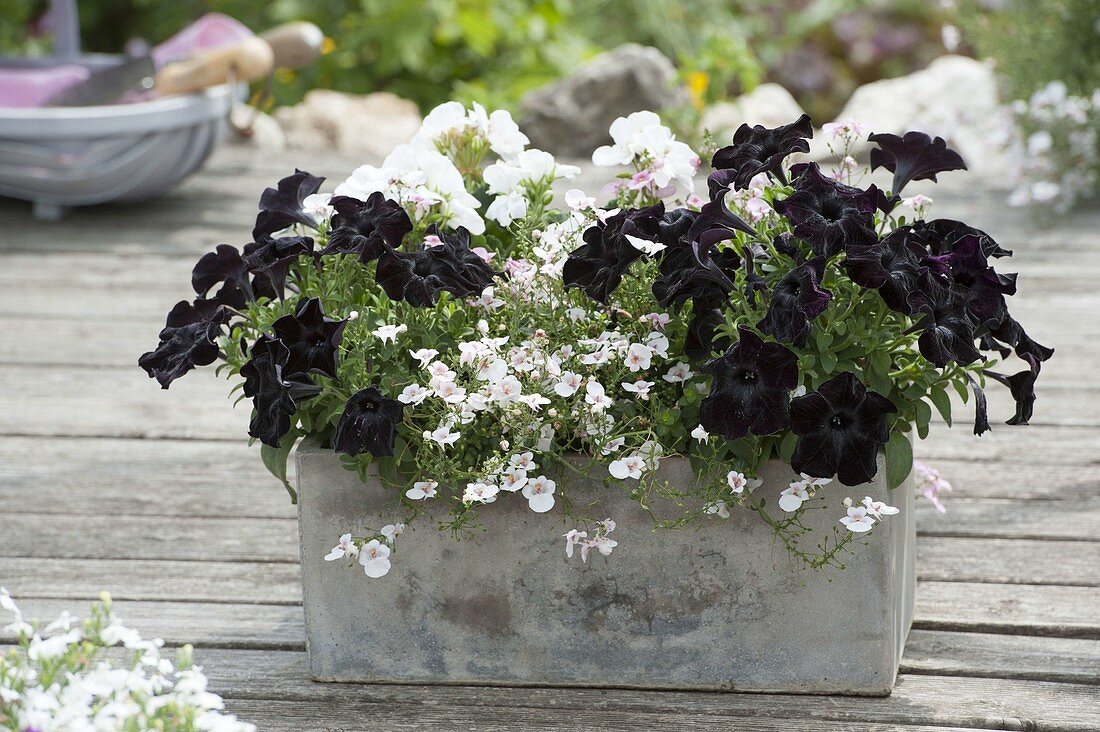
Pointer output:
682, 276
1022, 387
796, 300
759, 149
368, 424
367, 228
702, 338
840, 429
948, 328
282, 206
419, 277
828, 215
225, 266
894, 267
1012, 335
751, 388
985, 288
916, 156
715, 221
598, 265
188, 339
274, 393
270, 259
941, 236
312, 339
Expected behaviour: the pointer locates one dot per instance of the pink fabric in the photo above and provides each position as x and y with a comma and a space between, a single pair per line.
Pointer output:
209, 31
32, 87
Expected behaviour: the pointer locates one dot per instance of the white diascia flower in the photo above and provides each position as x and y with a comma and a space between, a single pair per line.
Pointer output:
424, 181
878, 509
578, 200
539, 493
700, 433
595, 396
640, 387
391, 532
847, 129
424, 356
390, 332
662, 162
375, 558
645, 246
413, 394
524, 460
792, 497
629, 467
858, 519
738, 482
572, 538
638, 357
719, 508
421, 490
513, 479
679, 373
442, 436
480, 492
440, 370
568, 384
344, 548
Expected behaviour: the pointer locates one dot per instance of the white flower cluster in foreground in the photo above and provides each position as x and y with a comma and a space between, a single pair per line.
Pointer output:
58, 680
663, 166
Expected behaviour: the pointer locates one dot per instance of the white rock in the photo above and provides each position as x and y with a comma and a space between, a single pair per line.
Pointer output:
768, 104
252, 128
570, 117
955, 97
370, 125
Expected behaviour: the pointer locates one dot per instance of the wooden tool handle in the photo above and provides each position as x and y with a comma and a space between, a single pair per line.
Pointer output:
247, 60
295, 44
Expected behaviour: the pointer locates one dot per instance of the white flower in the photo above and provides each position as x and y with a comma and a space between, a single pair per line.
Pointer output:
375, 558
534, 401
658, 342
878, 509
850, 128
546, 437
641, 139
43, 649
918, 201
638, 357
525, 460
572, 538
595, 396
493, 370
645, 246
679, 373
507, 390
440, 370
503, 134
738, 482
578, 200
793, 496
640, 387
507, 208
421, 490
442, 436
413, 394
576, 314
424, 356
858, 519
700, 433
391, 531
629, 467
487, 299
345, 548
390, 332
448, 390
601, 543
513, 479
568, 385
719, 508
539, 493
480, 493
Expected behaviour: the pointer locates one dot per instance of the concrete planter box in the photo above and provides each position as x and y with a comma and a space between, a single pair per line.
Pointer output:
720, 607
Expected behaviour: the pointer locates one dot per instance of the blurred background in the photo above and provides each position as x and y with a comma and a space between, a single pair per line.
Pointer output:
812, 55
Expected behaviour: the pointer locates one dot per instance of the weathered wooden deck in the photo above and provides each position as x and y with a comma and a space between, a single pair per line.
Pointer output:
108, 483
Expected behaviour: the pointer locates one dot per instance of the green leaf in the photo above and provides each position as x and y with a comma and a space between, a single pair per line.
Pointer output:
942, 401
899, 459
923, 417
828, 361
275, 459
786, 446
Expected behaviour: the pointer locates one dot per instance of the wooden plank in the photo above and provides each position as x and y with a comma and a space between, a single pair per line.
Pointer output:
1007, 445
1068, 612
1008, 561
992, 655
1006, 517
1022, 481
917, 699
83, 579
139, 478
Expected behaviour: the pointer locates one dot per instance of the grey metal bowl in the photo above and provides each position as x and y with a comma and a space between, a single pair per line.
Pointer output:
76, 156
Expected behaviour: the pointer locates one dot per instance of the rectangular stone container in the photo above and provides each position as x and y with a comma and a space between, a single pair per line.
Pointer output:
717, 607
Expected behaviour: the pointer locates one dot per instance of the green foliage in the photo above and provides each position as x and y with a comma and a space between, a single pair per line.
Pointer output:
1038, 41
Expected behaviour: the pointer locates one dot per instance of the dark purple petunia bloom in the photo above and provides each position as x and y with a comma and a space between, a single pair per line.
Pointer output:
312, 339
702, 333
598, 265
840, 429
368, 424
419, 277
684, 277
1022, 387
188, 339
796, 300
367, 228
985, 288
941, 236
270, 259
1010, 333
225, 266
894, 267
829, 216
282, 206
916, 156
948, 328
751, 388
758, 150
274, 393
715, 222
